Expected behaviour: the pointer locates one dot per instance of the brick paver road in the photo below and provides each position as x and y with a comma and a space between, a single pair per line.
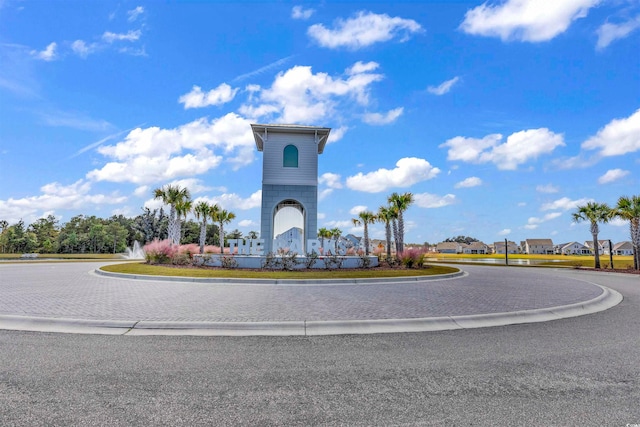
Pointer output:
72, 290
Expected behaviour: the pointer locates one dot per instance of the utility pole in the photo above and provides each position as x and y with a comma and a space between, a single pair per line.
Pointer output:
610, 255
506, 252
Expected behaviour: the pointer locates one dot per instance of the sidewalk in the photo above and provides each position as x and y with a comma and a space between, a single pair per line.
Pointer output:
72, 297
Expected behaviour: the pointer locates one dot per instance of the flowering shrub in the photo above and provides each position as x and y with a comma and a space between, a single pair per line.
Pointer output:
379, 250
411, 258
160, 251
190, 249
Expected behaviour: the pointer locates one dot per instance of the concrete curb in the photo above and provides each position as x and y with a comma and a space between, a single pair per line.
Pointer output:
281, 282
609, 298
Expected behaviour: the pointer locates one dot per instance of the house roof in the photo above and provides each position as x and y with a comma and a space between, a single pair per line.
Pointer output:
501, 243
547, 242
476, 245
449, 245
564, 245
623, 245
261, 132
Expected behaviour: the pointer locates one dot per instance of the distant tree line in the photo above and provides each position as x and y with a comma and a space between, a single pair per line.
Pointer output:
462, 239
91, 234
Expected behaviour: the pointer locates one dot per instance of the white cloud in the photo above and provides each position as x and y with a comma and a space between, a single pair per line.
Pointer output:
299, 96
564, 204
247, 223
218, 96
619, 222
520, 147
152, 204
357, 209
331, 180
469, 150
504, 232
608, 32
133, 14
133, 51
408, 171
141, 191
338, 224
298, 12
533, 221
362, 67
473, 181
337, 134
525, 20
56, 196
612, 175
383, 119
130, 36
618, 137
194, 185
82, 49
444, 87
547, 189
153, 154
48, 54
364, 29
325, 193
430, 201
232, 201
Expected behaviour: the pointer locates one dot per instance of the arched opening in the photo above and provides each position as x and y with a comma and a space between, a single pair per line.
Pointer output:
290, 156
288, 225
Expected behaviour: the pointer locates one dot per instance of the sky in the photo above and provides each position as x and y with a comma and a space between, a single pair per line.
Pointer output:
499, 117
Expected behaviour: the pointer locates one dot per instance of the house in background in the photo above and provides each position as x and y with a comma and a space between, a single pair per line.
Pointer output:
537, 247
573, 248
475, 248
603, 246
623, 248
449, 248
512, 248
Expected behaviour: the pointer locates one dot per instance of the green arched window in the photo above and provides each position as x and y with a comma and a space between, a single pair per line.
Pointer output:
290, 156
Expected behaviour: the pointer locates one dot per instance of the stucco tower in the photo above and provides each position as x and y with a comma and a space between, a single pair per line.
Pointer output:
289, 180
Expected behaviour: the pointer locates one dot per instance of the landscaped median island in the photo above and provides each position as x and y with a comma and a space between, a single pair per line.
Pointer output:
189, 271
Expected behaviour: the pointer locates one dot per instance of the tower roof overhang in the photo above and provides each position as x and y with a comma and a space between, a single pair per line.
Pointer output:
261, 133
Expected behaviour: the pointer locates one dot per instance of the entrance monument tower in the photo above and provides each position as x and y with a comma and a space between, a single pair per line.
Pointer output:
289, 183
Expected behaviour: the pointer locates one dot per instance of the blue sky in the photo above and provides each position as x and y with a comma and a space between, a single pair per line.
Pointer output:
500, 117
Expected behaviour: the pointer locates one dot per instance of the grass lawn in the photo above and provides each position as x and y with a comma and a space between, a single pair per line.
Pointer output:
619, 262
162, 270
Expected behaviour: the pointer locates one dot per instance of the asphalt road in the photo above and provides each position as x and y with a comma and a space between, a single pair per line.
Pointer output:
582, 371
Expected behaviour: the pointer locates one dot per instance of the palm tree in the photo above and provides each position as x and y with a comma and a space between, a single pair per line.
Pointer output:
629, 208
386, 214
203, 212
223, 217
172, 195
252, 235
335, 233
401, 203
365, 218
323, 233
182, 210
594, 213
